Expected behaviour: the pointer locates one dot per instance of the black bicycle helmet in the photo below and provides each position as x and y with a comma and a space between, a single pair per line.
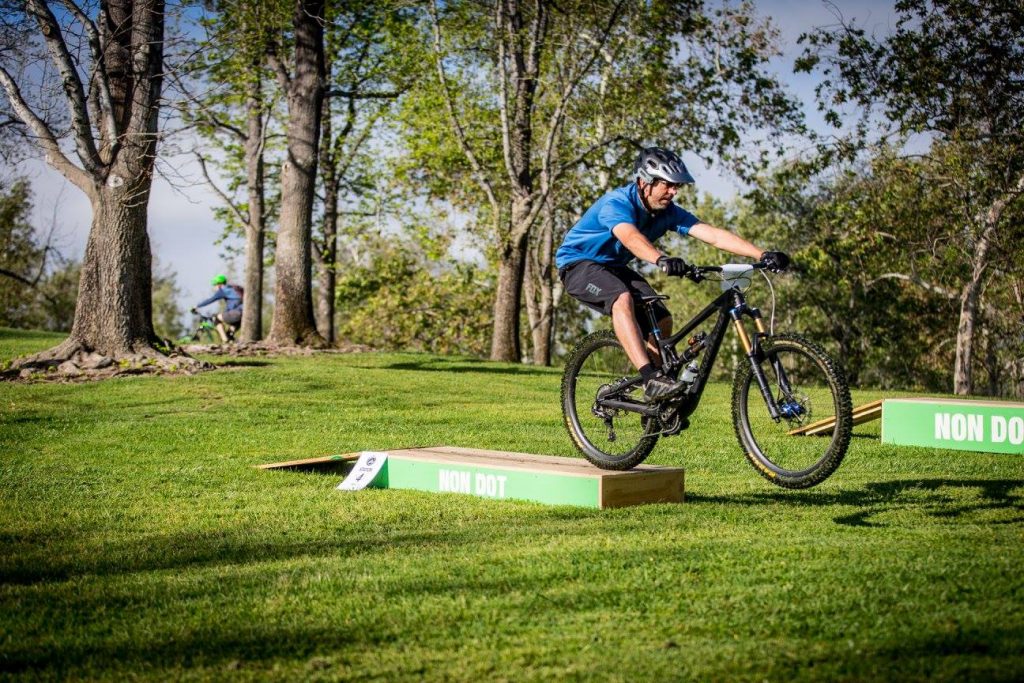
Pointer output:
656, 163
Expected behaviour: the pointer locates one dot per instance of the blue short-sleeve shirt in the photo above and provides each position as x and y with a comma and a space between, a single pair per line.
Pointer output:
232, 299
591, 239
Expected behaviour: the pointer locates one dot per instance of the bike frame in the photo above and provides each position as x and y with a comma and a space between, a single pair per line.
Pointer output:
731, 307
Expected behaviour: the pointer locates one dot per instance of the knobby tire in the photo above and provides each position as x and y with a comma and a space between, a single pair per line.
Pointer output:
599, 360
818, 390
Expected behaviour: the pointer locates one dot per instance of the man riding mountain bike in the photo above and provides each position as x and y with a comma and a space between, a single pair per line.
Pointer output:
228, 320
593, 260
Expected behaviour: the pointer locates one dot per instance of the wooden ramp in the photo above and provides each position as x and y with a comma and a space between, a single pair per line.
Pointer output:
521, 476
865, 413
323, 463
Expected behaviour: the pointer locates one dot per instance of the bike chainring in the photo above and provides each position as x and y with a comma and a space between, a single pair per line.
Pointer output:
671, 421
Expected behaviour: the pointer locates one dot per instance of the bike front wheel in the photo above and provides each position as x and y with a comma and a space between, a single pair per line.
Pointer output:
611, 438
812, 395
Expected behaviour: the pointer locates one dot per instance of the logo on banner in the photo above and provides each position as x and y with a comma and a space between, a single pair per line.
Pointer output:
365, 471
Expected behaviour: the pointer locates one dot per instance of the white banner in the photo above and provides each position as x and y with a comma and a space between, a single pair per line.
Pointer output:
364, 472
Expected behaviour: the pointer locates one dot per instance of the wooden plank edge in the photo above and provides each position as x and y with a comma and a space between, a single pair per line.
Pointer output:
861, 414
612, 493
581, 467
310, 462
959, 401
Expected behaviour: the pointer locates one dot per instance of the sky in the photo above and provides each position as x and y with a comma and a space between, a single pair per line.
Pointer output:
183, 230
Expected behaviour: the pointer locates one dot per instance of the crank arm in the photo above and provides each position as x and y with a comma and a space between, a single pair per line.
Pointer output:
649, 411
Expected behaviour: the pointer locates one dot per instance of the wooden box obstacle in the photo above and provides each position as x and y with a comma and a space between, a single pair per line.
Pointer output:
521, 476
959, 424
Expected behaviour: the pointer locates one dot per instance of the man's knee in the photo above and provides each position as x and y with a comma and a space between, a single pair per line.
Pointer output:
623, 303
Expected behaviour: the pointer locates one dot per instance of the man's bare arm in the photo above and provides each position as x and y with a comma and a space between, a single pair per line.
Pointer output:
638, 245
724, 240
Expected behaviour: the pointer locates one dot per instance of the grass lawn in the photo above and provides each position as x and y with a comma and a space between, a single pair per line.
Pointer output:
138, 541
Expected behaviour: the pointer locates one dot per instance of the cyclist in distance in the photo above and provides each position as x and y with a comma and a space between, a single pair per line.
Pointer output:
227, 320
593, 260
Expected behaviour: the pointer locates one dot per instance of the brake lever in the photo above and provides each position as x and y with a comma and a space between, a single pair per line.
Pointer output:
693, 273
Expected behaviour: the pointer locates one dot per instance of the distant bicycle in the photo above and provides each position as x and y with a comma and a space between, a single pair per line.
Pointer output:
205, 332
786, 384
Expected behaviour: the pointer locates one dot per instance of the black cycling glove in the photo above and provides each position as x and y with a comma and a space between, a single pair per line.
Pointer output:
775, 261
673, 265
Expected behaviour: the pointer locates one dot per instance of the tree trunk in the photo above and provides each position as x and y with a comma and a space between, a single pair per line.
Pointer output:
327, 252
113, 314
508, 298
970, 295
507, 301
293, 300
539, 285
326, 266
255, 229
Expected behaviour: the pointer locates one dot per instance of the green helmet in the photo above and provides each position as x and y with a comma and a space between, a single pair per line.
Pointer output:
219, 280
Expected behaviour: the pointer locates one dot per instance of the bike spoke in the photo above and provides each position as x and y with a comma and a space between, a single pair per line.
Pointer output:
613, 430
807, 389
598, 376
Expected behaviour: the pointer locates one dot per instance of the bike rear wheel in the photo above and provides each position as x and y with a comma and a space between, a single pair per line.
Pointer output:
808, 387
611, 438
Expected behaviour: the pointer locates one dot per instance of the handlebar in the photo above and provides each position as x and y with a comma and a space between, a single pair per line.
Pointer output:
697, 273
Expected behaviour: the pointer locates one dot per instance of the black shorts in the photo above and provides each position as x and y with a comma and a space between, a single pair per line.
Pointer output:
232, 317
598, 286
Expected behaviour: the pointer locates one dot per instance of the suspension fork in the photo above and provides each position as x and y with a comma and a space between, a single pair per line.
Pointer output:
754, 353
773, 358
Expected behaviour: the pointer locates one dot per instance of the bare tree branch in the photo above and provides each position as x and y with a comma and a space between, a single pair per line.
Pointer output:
284, 79
20, 278
54, 155
105, 114
72, 83
935, 289
460, 134
235, 211
503, 98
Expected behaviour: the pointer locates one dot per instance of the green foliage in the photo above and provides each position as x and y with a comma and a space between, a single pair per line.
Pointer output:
409, 294
953, 67
878, 259
166, 313
39, 288
946, 221
158, 552
230, 68
21, 258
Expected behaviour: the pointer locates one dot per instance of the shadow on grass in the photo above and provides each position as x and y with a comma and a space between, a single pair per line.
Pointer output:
25, 559
183, 550
242, 363
229, 654
889, 496
466, 365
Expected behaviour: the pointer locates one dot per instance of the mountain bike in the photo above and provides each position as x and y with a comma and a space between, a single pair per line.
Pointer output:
786, 383
205, 331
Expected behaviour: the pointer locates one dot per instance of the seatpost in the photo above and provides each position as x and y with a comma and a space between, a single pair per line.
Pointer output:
668, 358
655, 330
